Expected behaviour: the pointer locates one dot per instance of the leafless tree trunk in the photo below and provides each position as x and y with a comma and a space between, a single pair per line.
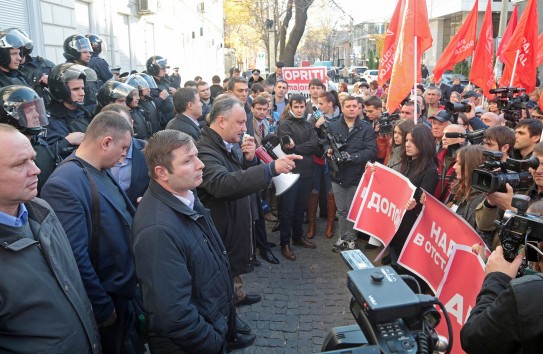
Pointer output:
283, 28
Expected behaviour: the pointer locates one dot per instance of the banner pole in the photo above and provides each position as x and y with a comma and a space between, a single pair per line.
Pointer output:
415, 81
514, 68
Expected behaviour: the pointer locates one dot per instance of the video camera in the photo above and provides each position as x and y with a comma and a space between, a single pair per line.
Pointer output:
458, 107
511, 100
386, 123
390, 316
475, 138
338, 146
519, 228
515, 172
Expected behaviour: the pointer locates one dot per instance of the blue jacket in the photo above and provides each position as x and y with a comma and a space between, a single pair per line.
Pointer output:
183, 269
69, 194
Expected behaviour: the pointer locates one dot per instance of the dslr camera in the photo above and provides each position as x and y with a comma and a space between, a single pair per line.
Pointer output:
511, 100
494, 174
517, 229
386, 123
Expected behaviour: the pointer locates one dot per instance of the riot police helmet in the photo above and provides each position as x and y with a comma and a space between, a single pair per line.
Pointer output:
21, 107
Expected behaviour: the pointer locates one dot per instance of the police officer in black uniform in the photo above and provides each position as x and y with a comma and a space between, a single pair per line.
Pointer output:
163, 96
96, 63
147, 104
68, 119
21, 107
143, 128
78, 50
113, 92
11, 43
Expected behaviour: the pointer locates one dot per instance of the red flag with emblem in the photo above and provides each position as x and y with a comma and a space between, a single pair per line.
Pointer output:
386, 61
522, 48
513, 21
482, 69
414, 24
461, 45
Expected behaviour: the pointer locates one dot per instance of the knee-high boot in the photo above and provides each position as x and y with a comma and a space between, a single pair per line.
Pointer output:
312, 203
331, 206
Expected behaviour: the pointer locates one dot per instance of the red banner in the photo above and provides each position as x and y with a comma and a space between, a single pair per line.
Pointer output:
382, 210
431, 241
414, 33
386, 62
482, 69
511, 25
458, 291
461, 45
540, 49
522, 49
359, 196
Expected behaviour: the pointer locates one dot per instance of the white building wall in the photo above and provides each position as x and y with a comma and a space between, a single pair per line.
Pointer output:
180, 31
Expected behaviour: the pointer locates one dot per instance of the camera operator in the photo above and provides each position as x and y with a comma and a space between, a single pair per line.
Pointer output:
359, 139
473, 120
496, 203
373, 109
527, 135
446, 158
507, 317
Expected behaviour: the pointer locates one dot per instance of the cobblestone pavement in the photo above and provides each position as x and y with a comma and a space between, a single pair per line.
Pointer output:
301, 299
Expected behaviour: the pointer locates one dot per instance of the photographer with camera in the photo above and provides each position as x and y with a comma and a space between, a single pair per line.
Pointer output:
373, 110
359, 141
446, 158
497, 202
527, 135
507, 316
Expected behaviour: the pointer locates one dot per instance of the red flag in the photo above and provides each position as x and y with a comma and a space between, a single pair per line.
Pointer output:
540, 50
389, 47
461, 45
414, 24
524, 42
482, 69
513, 20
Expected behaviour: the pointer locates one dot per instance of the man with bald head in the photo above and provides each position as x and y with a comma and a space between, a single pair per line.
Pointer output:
491, 119
446, 160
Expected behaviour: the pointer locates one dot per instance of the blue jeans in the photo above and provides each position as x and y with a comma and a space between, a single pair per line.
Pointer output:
321, 172
292, 206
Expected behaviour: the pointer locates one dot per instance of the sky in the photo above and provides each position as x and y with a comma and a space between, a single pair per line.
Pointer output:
368, 10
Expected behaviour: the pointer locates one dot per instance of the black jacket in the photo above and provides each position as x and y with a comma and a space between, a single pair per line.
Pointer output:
361, 146
143, 128
306, 143
151, 113
139, 179
507, 317
226, 190
182, 266
13, 77
63, 121
184, 124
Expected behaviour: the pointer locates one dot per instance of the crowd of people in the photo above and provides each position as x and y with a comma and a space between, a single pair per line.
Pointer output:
155, 197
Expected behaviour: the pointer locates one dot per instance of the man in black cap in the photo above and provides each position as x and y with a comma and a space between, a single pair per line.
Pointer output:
278, 74
116, 72
175, 78
440, 121
473, 97
255, 78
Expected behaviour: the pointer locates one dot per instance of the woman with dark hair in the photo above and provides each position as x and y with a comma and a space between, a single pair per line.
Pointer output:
419, 164
293, 203
329, 111
463, 200
393, 158
375, 90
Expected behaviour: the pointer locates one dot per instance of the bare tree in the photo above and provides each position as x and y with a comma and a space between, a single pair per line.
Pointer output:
287, 50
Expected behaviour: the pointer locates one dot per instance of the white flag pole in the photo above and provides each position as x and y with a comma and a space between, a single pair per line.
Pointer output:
514, 68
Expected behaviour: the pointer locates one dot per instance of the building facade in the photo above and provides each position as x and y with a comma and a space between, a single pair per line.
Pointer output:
189, 33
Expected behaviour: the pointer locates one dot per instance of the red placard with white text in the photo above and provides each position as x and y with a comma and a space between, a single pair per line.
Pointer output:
383, 208
359, 196
431, 241
464, 276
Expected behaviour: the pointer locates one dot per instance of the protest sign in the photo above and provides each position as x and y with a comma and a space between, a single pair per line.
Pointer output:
383, 208
464, 276
298, 78
361, 192
431, 241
